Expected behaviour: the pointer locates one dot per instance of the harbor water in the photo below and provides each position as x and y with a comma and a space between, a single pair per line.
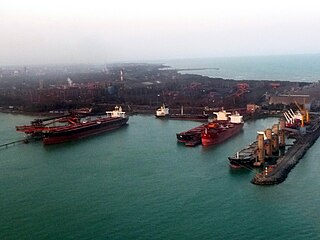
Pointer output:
138, 183
295, 68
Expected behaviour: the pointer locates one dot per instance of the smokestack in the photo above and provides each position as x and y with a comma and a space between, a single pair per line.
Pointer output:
41, 84
70, 83
121, 75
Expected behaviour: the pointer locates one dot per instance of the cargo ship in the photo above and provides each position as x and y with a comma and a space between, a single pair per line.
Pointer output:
163, 112
222, 128
244, 158
217, 130
191, 137
69, 128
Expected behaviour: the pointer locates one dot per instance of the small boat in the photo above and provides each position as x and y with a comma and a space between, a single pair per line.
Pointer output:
193, 143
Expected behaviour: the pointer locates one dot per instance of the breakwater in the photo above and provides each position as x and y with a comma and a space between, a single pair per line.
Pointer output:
284, 164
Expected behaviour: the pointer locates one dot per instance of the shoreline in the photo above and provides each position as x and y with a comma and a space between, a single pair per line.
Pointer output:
247, 116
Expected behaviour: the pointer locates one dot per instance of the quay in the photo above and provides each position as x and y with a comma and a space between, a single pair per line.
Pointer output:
279, 172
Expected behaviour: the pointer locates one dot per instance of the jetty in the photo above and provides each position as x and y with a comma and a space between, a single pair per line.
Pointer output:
279, 172
6, 145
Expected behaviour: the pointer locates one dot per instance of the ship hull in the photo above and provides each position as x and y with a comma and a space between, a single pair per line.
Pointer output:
197, 118
186, 137
79, 131
245, 157
235, 165
241, 162
193, 134
213, 137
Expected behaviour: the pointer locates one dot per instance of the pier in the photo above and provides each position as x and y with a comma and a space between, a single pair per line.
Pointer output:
6, 145
279, 172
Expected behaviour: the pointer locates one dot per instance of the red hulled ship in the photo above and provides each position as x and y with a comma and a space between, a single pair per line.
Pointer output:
225, 126
191, 137
69, 128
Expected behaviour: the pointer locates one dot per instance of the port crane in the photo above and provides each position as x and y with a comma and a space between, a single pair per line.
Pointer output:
304, 112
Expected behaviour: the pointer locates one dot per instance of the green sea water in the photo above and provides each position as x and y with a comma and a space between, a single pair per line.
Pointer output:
295, 68
138, 183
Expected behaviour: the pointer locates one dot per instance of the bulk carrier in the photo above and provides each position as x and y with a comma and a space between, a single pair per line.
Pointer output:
244, 158
225, 126
216, 131
67, 128
163, 112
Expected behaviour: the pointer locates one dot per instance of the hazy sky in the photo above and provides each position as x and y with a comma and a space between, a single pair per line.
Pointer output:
93, 31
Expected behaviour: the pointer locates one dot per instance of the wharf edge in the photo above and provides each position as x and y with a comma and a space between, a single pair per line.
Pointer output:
288, 162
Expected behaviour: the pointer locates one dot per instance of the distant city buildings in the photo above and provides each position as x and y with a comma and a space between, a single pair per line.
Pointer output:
138, 84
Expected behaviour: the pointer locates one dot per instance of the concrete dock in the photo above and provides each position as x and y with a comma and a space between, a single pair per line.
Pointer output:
280, 171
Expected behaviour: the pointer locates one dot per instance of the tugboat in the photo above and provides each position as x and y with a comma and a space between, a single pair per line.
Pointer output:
224, 127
